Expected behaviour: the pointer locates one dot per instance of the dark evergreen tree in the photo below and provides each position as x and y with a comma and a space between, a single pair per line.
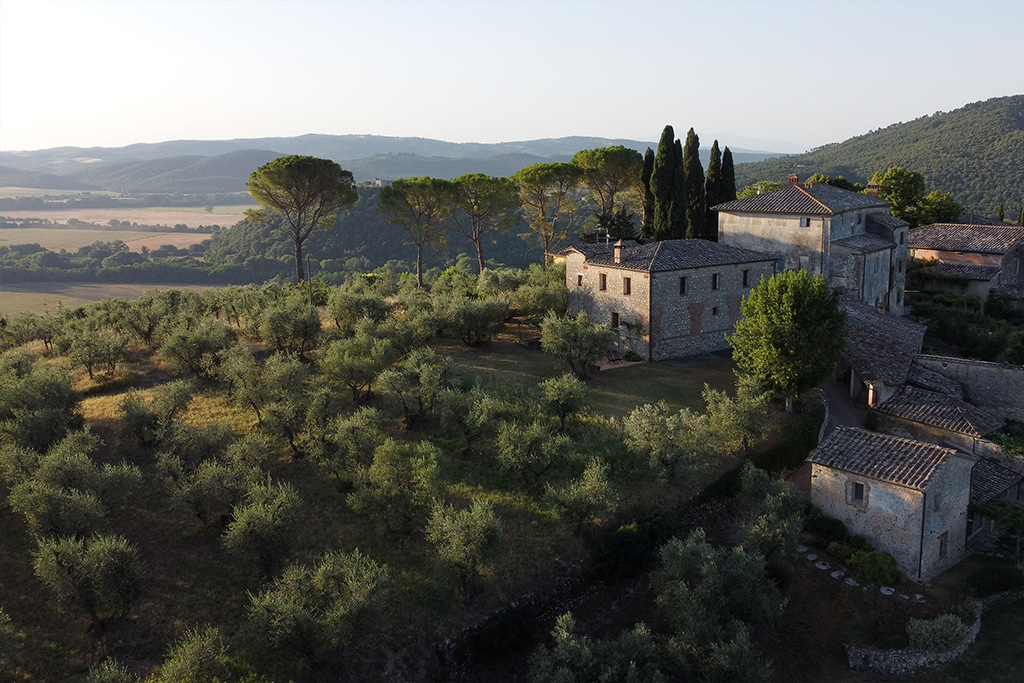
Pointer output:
662, 176
713, 190
647, 200
693, 175
1020, 219
999, 213
678, 210
728, 177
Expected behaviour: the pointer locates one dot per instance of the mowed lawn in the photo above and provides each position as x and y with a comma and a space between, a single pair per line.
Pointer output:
42, 297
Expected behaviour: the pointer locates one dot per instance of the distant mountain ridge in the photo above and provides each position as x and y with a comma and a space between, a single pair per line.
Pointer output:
220, 166
976, 153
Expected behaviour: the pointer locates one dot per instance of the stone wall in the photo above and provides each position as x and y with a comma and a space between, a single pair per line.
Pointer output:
583, 281
779, 236
995, 387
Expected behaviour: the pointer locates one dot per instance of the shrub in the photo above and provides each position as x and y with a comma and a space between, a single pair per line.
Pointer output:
839, 550
823, 526
940, 634
996, 579
874, 567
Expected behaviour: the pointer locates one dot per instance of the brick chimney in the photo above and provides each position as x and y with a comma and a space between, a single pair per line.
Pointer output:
872, 189
617, 252
794, 179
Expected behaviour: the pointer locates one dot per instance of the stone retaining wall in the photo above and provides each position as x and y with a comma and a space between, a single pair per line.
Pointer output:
908, 660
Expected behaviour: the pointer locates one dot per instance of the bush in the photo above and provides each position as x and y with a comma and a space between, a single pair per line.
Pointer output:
828, 529
840, 551
874, 567
991, 580
940, 634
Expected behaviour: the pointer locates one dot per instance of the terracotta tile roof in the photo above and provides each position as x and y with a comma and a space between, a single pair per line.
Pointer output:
990, 479
978, 219
885, 220
971, 271
894, 459
668, 255
921, 376
880, 346
864, 243
940, 410
978, 239
819, 200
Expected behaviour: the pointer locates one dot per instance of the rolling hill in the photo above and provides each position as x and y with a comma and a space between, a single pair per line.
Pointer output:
975, 152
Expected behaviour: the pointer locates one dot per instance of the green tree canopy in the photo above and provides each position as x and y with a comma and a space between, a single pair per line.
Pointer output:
791, 334
420, 207
481, 205
903, 189
693, 179
546, 193
610, 174
306, 191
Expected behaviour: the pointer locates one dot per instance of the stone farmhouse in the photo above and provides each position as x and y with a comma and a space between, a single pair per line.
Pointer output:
972, 259
912, 499
879, 353
849, 238
663, 299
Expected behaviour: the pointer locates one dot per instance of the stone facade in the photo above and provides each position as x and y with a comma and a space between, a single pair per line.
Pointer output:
997, 388
849, 238
667, 299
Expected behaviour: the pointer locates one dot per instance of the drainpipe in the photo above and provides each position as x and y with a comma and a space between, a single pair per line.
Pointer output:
920, 550
821, 258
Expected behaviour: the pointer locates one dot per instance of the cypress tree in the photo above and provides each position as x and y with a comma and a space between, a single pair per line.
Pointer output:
1020, 221
999, 213
713, 190
677, 230
728, 177
693, 178
647, 200
662, 172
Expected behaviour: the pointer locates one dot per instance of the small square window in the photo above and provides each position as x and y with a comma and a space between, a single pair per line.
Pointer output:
858, 492
714, 310
615, 320
746, 278
682, 286
602, 282
714, 280
627, 286
805, 222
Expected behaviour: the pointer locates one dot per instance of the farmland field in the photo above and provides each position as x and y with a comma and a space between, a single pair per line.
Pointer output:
39, 297
56, 238
9, 192
225, 216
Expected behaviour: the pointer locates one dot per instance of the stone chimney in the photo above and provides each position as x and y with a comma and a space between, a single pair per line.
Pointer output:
617, 252
872, 189
794, 179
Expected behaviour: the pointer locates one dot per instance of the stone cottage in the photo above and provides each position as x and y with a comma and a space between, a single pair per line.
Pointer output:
909, 498
849, 238
663, 299
975, 258
879, 353
938, 418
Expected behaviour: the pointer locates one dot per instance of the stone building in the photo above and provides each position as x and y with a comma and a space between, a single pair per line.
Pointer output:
663, 299
908, 498
849, 238
972, 259
940, 419
879, 353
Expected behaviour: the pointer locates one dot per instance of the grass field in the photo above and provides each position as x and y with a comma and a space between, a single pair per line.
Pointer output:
40, 297
225, 216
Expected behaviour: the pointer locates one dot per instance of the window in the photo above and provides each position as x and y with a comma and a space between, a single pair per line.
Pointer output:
903, 236
858, 492
860, 218
627, 286
899, 266
746, 278
943, 544
615, 320
1016, 266
714, 280
876, 266
682, 286
579, 279
937, 501
602, 282
805, 222
899, 297
714, 310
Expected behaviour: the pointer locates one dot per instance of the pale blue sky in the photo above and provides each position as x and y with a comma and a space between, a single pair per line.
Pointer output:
89, 73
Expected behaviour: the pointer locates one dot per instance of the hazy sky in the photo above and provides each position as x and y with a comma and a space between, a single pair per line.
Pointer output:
89, 73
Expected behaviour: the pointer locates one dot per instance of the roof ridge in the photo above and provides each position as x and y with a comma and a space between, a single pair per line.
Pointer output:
813, 198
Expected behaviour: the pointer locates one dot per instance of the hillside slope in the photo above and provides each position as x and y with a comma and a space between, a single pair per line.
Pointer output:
975, 152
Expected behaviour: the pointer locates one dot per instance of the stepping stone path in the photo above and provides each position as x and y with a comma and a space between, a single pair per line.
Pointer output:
904, 596
918, 597
838, 574
887, 590
850, 581
802, 549
822, 565
812, 557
